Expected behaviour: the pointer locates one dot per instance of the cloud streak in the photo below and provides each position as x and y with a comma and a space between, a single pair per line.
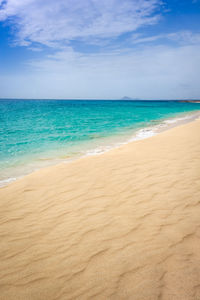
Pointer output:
181, 37
55, 23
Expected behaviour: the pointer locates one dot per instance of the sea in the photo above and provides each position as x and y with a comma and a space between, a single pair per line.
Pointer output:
39, 133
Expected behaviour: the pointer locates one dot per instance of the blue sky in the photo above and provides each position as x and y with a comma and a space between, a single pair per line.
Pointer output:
148, 49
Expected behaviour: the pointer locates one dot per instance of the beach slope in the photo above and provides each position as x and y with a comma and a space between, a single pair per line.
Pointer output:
122, 225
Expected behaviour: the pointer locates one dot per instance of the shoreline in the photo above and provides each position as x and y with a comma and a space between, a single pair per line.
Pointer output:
123, 225
138, 134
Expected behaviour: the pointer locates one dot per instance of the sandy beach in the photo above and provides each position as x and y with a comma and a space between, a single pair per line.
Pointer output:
122, 225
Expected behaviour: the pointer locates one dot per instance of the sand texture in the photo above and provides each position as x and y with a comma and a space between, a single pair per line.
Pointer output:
122, 225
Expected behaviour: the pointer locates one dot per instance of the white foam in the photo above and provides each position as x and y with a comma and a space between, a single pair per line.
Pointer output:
175, 120
144, 134
98, 150
7, 181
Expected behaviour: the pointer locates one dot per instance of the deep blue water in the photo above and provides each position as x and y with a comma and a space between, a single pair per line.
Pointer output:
32, 131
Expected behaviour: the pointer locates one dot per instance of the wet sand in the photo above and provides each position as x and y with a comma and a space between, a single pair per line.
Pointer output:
122, 225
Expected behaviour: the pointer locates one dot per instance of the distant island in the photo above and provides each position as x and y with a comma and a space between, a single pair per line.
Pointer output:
182, 101
190, 101
129, 98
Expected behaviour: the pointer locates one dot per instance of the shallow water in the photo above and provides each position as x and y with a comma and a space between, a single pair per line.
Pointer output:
37, 133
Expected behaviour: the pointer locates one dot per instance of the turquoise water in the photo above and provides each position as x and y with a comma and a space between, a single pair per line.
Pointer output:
35, 133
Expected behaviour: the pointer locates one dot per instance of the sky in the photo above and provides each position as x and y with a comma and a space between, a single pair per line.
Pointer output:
100, 49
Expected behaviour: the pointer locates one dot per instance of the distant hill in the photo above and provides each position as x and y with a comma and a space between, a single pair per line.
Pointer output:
190, 101
128, 98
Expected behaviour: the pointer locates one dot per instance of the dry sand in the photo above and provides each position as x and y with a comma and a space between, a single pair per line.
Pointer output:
122, 225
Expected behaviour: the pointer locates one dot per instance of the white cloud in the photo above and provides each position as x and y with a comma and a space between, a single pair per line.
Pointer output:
148, 72
52, 22
185, 37
182, 37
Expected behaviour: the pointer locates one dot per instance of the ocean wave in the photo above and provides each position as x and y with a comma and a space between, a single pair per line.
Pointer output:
5, 182
145, 133
156, 127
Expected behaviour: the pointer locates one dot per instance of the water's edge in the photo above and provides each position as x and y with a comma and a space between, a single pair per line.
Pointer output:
139, 134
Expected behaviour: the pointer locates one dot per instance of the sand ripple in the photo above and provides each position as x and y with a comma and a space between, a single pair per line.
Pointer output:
124, 225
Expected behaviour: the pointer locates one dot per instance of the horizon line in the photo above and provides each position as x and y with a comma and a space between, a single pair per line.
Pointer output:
101, 99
